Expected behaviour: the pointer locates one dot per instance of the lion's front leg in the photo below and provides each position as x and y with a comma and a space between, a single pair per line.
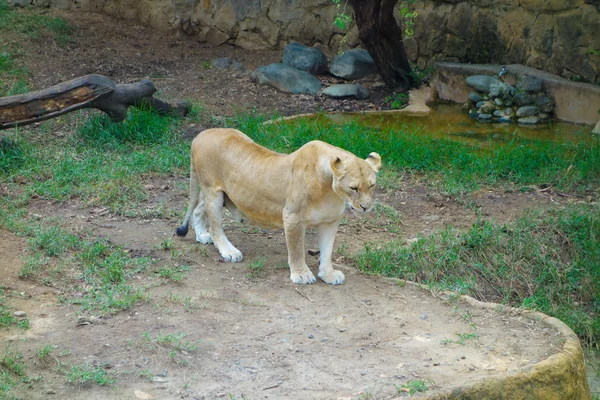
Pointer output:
326, 237
294, 237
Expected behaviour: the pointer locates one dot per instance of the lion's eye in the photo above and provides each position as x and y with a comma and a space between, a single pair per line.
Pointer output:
354, 188
372, 186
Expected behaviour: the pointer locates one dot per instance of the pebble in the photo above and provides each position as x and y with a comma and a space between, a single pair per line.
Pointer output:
310, 336
423, 316
20, 314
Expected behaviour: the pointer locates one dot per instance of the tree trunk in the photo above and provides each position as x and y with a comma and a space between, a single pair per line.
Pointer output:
90, 91
382, 37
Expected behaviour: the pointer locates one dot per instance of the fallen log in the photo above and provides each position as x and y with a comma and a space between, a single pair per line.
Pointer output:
89, 91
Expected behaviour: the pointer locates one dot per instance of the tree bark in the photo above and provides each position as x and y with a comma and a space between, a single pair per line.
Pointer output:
90, 91
382, 37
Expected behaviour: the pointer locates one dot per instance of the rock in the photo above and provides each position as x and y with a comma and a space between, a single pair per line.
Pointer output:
528, 83
142, 395
596, 130
475, 97
502, 90
347, 90
251, 41
20, 314
484, 117
221, 63
481, 83
236, 66
480, 104
227, 63
528, 120
508, 111
544, 103
309, 59
522, 99
353, 64
473, 114
498, 101
498, 113
158, 379
487, 108
505, 119
527, 111
286, 79
215, 37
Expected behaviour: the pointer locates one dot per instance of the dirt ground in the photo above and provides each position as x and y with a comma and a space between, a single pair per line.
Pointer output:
259, 337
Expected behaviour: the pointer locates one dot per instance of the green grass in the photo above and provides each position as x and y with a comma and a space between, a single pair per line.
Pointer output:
545, 260
174, 273
102, 163
13, 79
35, 26
85, 374
12, 373
7, 319
414, 386
457, 166
256, 267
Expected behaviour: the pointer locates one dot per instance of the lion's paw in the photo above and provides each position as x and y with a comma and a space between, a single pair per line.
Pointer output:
304, 278
232, 255
335, 277
203, 238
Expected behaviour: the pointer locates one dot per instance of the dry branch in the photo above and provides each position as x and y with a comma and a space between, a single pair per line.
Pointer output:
90, 91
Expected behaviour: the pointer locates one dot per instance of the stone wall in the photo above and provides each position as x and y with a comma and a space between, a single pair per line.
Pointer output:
559, 36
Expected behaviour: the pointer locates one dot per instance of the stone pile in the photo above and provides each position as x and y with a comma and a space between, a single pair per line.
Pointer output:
496, 101
295, 74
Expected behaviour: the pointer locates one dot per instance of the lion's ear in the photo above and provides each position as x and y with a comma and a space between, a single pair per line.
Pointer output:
374, 160
336, 164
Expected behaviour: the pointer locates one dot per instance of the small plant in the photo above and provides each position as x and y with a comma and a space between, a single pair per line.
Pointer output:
174, 272
147, 374
255, 267
85, 374
397, 100
45, 354
167, 244
415, 386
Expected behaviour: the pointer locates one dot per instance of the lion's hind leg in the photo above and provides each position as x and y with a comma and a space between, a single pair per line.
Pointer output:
200, 222
214, 209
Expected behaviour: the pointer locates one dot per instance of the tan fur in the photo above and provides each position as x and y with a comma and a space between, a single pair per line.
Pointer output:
307, 188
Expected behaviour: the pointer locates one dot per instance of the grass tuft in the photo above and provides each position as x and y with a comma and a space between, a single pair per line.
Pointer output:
546, 260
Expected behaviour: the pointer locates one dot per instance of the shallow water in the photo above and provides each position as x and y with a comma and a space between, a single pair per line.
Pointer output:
451, 122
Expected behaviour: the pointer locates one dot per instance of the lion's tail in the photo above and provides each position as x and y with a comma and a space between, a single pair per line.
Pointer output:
194, 195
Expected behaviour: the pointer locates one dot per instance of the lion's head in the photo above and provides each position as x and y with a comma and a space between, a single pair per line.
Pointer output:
354, 180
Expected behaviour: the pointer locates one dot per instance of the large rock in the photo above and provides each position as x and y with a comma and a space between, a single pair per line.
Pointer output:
346, 90
353, 64
529, 83
286, 79
309, 59
527, 111
482, 83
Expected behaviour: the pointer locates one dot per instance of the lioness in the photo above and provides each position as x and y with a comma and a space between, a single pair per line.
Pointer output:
260, 187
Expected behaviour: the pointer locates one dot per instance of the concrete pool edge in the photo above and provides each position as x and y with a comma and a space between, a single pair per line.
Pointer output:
561, 376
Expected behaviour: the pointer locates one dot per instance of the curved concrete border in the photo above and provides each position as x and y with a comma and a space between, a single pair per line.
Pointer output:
562, 376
